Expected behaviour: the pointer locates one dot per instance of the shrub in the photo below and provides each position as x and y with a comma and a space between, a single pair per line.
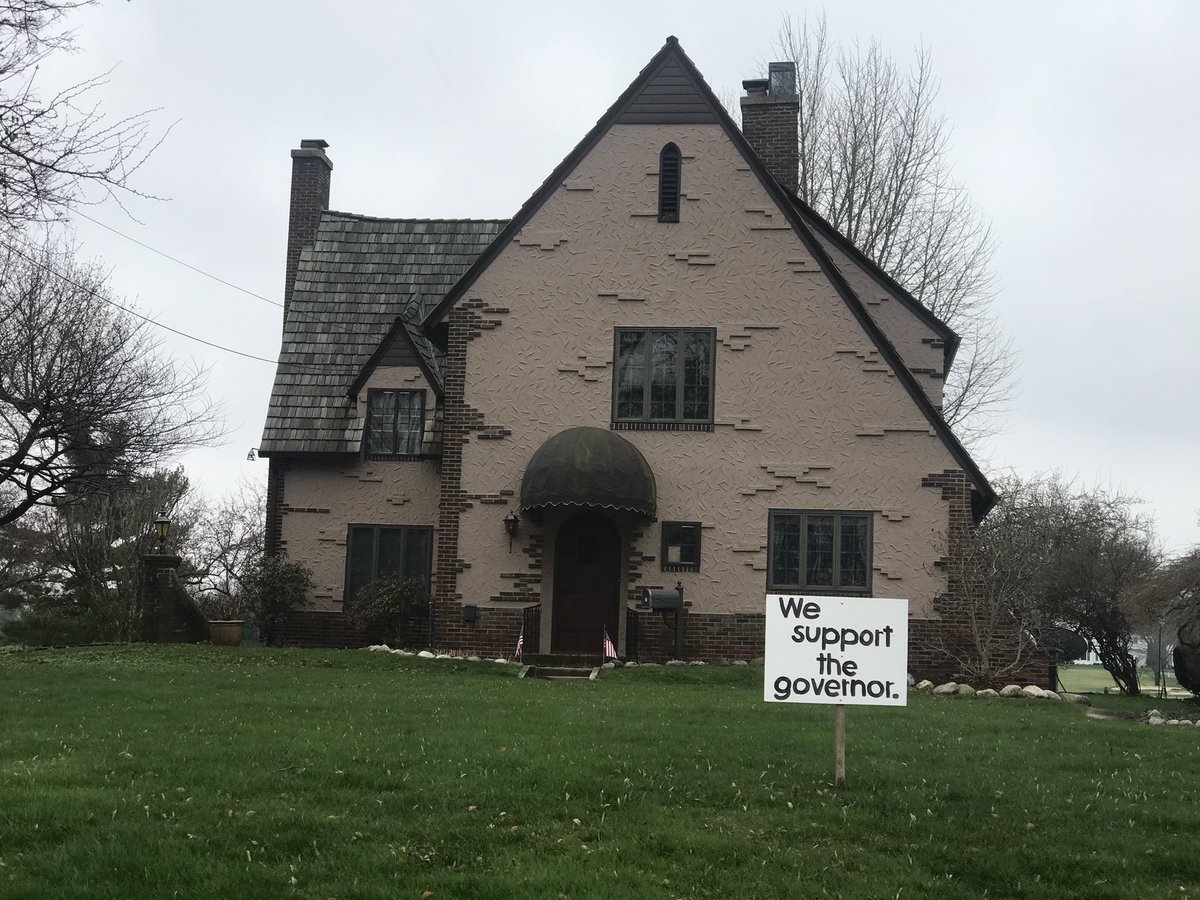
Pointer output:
274, 587
388, 605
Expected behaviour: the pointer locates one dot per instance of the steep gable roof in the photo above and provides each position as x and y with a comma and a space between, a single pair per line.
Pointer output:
645, 98
818, 224
360, 278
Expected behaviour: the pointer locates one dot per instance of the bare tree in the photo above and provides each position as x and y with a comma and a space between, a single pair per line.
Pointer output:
87, 398
874, 162
58, 148
997, 574
226, 545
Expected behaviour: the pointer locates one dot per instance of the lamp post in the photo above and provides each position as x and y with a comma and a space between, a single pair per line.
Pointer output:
162, 529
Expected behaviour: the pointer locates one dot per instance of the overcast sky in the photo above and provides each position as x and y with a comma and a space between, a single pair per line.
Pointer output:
1076, 130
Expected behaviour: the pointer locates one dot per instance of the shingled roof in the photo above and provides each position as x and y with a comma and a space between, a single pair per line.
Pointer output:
359, 276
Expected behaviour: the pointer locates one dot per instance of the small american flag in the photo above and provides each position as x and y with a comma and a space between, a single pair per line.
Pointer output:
521, 641
610, 652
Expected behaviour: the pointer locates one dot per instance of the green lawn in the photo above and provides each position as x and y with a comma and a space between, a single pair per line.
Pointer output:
211, 772
1095, 679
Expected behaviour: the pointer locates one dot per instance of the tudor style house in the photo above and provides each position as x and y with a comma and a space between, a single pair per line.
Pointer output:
665, 368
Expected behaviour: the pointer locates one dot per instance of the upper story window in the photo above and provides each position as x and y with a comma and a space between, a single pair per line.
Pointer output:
395, 423
669, 181
818, 550
664, 378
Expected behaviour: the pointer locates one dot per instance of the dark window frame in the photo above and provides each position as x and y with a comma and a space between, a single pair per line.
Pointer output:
377, 530
670, 183
675, 423
835, 588
680, 566
392, 454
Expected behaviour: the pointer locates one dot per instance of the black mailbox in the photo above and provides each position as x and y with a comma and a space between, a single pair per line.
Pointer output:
657, 599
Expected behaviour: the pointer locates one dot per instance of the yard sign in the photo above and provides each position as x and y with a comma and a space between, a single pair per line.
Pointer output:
844, 651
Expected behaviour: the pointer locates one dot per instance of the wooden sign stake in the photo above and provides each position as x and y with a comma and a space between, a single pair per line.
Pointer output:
839, 742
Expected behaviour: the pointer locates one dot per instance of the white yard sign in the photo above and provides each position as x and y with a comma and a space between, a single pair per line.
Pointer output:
838, 650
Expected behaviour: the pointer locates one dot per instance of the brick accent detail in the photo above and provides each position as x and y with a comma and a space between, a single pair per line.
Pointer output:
929, 638
770, 127
320, 628
650, 636
527, 585
273, 540
634, 572
310, 197
495, 628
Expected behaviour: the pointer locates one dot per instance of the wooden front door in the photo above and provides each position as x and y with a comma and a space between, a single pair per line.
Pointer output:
587, 584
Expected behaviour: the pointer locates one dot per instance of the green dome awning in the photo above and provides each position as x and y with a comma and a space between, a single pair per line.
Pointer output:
589, 468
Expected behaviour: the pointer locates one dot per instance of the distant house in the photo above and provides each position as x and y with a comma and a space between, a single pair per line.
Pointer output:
665, 367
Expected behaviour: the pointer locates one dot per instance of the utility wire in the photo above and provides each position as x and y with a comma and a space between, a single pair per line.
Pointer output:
293, 311
173, 259
97, 295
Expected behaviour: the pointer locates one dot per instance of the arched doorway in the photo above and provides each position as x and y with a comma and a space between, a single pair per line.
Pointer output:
587, 584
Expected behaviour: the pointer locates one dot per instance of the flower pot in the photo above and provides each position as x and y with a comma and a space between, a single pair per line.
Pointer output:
227, 633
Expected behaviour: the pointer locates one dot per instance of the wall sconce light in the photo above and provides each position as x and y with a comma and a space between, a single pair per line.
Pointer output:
162, 529
252, 455
512, 522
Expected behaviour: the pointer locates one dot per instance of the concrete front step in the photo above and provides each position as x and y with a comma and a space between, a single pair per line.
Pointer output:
561, 673
563, 660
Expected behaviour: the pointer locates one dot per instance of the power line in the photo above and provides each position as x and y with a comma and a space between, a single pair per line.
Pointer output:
97, 295
173, 259
293, 310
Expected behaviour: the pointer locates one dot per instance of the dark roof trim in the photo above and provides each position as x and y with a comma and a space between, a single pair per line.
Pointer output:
398, 331
868, 265
785, 201
308, 454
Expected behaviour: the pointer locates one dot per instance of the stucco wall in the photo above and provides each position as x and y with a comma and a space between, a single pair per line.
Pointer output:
322, 498
917, 345
807, 415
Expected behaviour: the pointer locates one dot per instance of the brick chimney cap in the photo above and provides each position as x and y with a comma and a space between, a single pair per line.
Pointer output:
756, 85
671, 39
313, 143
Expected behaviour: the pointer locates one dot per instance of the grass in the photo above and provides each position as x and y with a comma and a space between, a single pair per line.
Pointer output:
1095, 679
241, 772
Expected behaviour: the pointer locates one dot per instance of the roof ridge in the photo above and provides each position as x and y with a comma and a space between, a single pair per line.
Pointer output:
364, 218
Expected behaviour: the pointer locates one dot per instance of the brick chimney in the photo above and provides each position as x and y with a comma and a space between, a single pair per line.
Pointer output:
310, 195
770, 111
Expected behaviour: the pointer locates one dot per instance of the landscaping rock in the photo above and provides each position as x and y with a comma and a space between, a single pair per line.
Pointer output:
1075, 698
676, 662
950, 687
632, 664
965, 690
1173, 722
757, 661
473, 659
1010, 690
1050, 695
500, 659
986, 693
697, 662
443, 656
425, 654
608, 665
925, 685
378, 647
1031, 690
911, 680
740, 662
399, 652
1156, 720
